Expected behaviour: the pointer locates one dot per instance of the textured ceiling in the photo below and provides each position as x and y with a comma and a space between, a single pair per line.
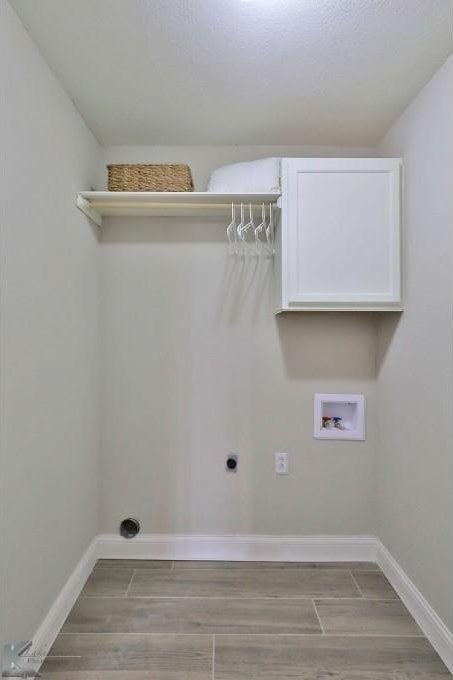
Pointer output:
240, 71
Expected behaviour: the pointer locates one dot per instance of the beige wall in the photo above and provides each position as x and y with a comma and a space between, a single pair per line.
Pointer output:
415, 454
49, 338
195, 365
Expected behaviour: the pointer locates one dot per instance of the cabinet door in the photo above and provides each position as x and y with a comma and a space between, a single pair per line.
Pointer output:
341, 233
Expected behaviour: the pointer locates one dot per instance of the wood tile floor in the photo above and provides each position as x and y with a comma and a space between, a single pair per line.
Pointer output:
157, 620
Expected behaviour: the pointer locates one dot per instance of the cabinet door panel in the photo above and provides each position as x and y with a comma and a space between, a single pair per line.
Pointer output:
342, 221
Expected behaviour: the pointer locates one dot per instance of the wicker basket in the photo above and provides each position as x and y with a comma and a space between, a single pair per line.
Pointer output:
138, 177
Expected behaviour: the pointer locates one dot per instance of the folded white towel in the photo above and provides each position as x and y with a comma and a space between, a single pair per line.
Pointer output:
262, 176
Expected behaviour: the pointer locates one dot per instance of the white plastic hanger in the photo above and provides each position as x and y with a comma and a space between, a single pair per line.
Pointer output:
259, 229
270, 231
250, 224
239, 228
231, 230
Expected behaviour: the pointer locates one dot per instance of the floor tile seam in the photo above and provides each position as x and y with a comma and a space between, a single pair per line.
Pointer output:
210, 635
318, 617
303, 570
64, 656
173, 566
251, 567
277, 598
213, 657
130, 584
360, 599
357, 585
159, 570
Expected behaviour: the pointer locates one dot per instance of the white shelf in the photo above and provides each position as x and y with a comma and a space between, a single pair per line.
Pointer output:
99, 204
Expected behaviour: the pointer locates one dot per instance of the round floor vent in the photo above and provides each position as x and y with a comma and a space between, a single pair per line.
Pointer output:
129, 527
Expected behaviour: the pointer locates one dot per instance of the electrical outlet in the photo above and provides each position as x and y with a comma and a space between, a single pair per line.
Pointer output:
281, 463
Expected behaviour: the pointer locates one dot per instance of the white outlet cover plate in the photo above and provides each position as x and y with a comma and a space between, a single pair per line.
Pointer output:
351, 409
281, 463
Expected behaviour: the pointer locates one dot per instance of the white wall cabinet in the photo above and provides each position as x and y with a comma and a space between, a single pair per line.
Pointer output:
338, 243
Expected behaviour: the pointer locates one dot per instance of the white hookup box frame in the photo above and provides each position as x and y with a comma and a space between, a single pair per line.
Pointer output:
350, 408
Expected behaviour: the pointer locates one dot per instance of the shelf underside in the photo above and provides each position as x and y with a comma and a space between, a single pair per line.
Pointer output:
99, 204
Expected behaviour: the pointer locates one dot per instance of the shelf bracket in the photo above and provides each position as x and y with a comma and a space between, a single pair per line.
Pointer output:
90, 212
